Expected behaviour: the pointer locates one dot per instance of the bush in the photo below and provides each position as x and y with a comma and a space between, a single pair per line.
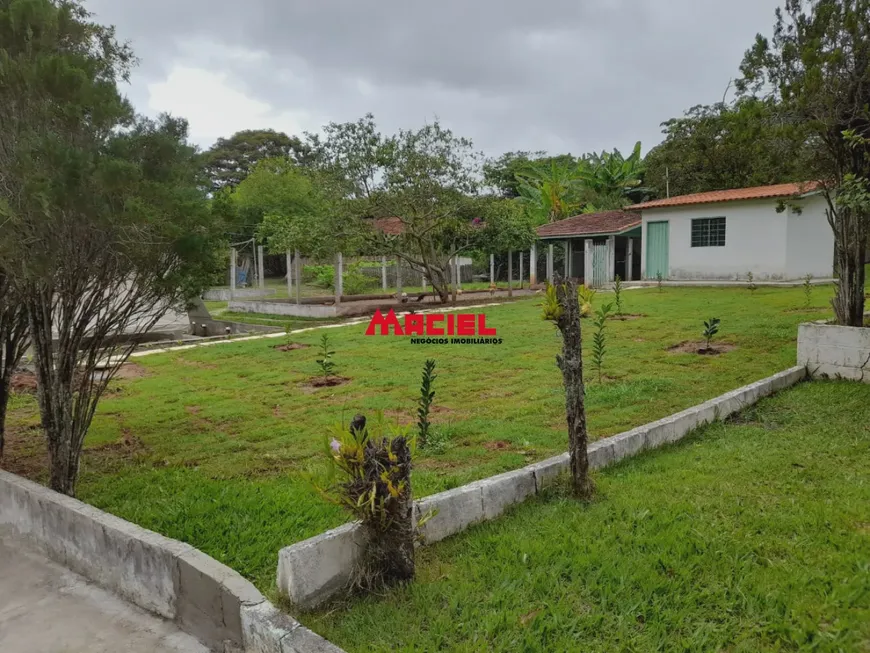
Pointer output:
371, 478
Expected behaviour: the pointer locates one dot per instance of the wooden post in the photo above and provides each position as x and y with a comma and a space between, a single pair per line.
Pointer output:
611, 259
384, 273
522, 273
492, 269
533, 265
233, 254
423, 281
567, 259
289, 274
399, 278
629, 259
339, 277
550, 263
510, 273
260, 267
458, 272
298, 278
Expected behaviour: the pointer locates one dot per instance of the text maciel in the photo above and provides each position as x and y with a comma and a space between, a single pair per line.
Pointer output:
432, 324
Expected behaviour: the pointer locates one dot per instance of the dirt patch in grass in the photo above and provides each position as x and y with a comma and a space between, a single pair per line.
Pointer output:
24, 382
811, 309
131, 371
25, 453
497, 445
293, 346
627, 317
327, 381
699, 347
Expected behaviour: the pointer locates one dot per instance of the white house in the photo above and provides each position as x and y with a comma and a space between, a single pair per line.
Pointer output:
725, 234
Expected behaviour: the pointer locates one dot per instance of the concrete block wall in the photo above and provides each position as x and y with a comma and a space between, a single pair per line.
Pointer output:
284, 308
166, 577
225, 294
312, 571
828, 350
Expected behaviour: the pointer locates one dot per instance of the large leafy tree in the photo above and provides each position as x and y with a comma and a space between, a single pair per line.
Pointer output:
817, 69
230, 160
723, 146
104, 225
610, 180
294, 208
550, 190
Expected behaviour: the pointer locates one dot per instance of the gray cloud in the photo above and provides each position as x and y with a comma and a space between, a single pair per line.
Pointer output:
560, 75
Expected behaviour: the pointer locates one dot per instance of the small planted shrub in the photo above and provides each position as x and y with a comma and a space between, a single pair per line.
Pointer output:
370, 476
424, 403
751, 279
325, 363
808, 290
711, 328
617, 290
599, 339
355, 282
659, 279
585, 295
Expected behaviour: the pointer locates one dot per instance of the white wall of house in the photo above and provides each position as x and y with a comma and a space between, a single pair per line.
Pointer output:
771, 245
810, 246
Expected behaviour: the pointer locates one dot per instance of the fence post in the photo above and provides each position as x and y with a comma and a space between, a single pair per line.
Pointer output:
233, 273
298, 278
261, 267
384, 273
339, 277
289, 274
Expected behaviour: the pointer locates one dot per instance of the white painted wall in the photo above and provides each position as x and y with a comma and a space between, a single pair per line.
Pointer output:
757, 239
810, 245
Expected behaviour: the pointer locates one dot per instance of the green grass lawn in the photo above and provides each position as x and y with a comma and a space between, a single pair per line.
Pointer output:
751, 536
215, 445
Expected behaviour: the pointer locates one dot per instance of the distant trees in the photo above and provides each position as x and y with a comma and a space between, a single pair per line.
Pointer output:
816, 68
104, 226
728, 145
230, 160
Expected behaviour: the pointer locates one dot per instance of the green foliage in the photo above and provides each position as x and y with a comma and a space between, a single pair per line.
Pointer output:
609, 180
586, 295
230, 160
293, 211
325, 363
659, 278
617, 292
808, 290
552, 309
711, 328
722, 146
355, 282
750, 278
599, 338
424, 403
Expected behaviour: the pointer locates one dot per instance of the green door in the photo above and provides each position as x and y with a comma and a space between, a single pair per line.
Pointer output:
599, 265
657, 236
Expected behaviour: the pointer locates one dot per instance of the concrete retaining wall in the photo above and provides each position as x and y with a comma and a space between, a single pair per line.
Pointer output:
284, 308
225, 294
312, 571
172, 579
829, 350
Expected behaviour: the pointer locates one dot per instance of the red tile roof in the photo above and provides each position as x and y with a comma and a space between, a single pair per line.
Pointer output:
607, 222
759, 192
389, 226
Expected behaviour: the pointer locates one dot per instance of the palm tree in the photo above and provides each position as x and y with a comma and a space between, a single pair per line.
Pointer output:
550, 190
610, 181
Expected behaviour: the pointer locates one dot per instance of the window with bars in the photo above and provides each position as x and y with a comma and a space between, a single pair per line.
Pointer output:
708, 232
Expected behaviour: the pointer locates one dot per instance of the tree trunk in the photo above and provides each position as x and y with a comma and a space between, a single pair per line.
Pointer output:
14, 340
571, 363
850, 236
4, 403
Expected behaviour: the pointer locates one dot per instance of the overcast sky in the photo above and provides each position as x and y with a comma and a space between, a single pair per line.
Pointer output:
557, 75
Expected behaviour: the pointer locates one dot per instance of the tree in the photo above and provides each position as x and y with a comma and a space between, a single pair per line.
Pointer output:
426, 179
550, 190
104, 226
294, 211
562, 307
609, 181
14, 341
508, 227
230, 160
723, 146
817, 68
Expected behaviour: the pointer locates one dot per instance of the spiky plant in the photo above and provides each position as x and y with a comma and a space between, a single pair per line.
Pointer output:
599, 338
424, 403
